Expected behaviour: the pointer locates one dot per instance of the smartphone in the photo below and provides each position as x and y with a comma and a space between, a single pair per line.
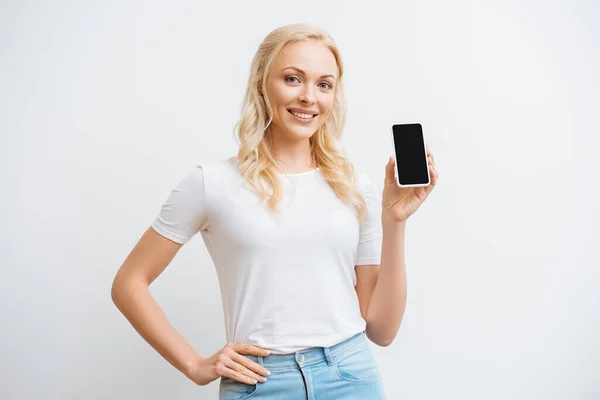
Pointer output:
412, 168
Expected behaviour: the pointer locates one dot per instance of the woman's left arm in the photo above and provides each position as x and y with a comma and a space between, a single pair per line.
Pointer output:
388, 300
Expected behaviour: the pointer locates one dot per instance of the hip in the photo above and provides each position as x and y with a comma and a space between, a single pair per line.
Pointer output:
346, 370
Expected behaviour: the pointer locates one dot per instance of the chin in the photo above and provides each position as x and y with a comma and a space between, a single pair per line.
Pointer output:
299, 133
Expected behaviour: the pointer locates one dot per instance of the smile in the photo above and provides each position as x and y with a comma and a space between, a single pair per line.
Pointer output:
303, 117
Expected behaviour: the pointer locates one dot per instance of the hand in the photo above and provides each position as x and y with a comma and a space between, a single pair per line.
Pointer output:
400, 203
230, 362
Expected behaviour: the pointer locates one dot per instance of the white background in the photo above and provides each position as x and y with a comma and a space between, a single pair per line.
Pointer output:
106, 105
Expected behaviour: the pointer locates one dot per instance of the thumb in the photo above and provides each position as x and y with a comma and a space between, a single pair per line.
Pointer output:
389, 168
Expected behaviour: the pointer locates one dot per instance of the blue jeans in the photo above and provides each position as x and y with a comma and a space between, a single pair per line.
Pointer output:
346, 370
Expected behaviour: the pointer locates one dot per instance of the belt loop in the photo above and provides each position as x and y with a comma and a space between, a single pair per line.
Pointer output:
260, 360
328, 356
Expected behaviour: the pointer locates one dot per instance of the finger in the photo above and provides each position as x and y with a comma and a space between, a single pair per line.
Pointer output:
230, 373
250, 365
238, 364
434, 175
429, 153
249, 349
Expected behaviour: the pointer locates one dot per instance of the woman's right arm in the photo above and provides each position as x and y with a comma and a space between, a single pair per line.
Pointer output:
130, 293
150, 256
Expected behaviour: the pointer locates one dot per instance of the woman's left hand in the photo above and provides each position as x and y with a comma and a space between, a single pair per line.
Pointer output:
400, 203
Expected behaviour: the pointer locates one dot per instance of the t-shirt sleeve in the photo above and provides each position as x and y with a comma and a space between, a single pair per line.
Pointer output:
371, 233
185, 211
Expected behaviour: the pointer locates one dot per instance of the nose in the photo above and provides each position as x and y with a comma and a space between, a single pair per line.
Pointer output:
307, 96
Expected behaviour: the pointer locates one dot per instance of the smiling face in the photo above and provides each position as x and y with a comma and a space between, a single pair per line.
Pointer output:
301, 83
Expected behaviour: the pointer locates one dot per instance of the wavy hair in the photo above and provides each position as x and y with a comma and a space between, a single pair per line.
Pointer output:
253, 134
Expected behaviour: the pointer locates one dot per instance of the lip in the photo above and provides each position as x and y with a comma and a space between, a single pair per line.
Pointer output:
303, 111
302, 120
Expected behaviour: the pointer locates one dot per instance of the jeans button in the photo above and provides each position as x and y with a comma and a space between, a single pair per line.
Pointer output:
300, 357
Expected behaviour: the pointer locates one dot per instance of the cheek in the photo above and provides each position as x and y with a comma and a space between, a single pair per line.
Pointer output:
282, 95
327, 104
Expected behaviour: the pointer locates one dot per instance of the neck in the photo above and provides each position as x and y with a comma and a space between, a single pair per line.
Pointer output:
294, 155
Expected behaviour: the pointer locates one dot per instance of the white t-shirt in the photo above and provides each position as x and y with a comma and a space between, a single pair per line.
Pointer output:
287, 280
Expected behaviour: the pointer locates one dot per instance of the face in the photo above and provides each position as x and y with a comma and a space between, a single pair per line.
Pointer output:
302, 80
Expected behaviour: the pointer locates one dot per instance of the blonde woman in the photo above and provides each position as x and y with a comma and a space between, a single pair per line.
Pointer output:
309, 256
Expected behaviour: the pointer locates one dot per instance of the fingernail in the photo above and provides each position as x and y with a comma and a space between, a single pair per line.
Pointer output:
268, 352
268, 372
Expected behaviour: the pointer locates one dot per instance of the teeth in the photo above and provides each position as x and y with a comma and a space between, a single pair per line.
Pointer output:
305, 116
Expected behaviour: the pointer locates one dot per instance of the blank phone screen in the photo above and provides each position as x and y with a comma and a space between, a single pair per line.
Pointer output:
411, 160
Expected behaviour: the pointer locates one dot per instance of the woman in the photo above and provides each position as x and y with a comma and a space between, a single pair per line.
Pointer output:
296, 237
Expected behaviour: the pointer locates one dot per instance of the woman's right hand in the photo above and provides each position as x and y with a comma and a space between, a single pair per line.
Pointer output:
229, 362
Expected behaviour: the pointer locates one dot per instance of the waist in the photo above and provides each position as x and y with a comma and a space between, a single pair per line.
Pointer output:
309, 356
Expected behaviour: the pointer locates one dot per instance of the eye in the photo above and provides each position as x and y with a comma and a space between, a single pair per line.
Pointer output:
290, 77
328, 85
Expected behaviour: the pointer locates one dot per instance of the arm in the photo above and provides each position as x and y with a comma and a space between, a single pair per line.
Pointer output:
150, 256
387, 303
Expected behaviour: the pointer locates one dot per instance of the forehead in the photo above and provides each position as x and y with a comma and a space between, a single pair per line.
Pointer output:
311, 56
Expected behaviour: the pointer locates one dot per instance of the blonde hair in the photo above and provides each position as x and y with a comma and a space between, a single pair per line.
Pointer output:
255, 159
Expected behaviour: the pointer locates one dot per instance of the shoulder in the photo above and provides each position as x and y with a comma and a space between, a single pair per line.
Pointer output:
215, 170
364, 181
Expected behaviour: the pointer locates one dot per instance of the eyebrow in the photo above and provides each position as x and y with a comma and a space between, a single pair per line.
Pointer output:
304, 73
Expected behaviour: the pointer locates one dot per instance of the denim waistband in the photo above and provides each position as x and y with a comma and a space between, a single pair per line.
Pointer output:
307, 357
